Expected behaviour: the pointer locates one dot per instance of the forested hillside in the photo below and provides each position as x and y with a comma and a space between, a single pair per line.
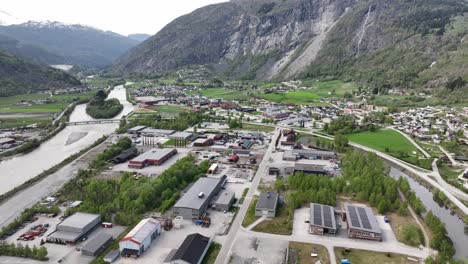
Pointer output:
18, 76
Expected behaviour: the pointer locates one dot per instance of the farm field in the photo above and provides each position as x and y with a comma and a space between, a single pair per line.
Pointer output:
384, 140
324, 89
226, 94
296, 97
168, 110
6, 123
370, 257
254, 127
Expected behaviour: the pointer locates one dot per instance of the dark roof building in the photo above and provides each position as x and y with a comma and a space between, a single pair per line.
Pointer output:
192, 250
322, 219
362, 223
267, 204
74, 228
136, 130
152, 157
125, 155
97, 244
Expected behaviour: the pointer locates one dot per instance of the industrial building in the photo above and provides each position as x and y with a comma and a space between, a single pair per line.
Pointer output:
197, 199
125, 155
224, 201
321, 167
152, 157
139, 239
136, 130
156, 132
203, 142
361, 222
97, 244
322, 219
182, 135
310, 154
267, 204
74, 227
191, 251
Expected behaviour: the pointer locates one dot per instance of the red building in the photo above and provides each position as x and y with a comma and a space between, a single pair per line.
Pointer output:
152, 157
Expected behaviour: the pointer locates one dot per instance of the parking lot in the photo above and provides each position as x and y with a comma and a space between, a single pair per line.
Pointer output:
172, 239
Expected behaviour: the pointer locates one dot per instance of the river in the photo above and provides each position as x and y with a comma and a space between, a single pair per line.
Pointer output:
454, 225
72, 139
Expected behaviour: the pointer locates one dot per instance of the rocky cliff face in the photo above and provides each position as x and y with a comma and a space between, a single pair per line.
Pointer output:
268, 39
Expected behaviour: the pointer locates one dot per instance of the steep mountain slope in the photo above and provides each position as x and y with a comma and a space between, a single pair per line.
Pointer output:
28, 52
139, 37
18, 76
76, 44
380, 42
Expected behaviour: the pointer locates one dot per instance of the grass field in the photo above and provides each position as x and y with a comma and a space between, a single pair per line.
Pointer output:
324, 89
296, 97
370, 257
281, 225
399, 222
21, 121
168, 109
226, 94
250, 217
300, 253
384, 140
212, 253
257, 128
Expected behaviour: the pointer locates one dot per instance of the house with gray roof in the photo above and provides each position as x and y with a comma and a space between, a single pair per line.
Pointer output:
267, 204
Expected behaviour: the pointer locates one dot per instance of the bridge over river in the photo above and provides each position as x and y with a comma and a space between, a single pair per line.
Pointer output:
93, 122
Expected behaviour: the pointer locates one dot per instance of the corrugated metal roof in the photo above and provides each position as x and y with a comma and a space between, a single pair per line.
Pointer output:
140, 232
97, 242
205, 185
153, 154
79, 220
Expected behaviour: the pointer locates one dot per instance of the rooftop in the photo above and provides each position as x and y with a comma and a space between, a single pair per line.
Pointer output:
267, 200
140, 232
150, 130
97, 242
322, 215
181, 134
137, 128
153, 154
361, 218
225, 197
192, 249
79, 220
192, 199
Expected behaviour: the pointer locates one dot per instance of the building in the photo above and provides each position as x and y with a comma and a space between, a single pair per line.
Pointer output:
182, 135
111, 256
139, 239
310, 154
246, 144
191, 251
97, 244
196, 200
125, 155
233, 158
322, 219
152, 157
224, 201
136, 130
203, 142
213, 168
241, 152
150, 100
361, 222
7, 141
312, 167
74, 228
156, 132
267, 204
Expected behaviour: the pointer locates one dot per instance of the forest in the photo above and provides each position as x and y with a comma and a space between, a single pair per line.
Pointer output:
100, 108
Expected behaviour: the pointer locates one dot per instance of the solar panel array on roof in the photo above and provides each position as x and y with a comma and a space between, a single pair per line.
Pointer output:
353, 216
327, 218
364, 218
317, 214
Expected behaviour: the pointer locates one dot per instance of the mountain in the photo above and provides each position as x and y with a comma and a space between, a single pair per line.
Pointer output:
139, 37
28, 52
378, 42
74, 44
18, 76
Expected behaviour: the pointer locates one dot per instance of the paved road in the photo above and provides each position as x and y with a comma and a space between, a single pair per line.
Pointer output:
225, 252
450, 157
413, 142
454, 190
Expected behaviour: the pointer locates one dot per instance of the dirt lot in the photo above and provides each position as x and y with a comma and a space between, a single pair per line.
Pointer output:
249, 249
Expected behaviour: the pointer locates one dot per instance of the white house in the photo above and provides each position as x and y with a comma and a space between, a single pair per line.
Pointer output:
140, 238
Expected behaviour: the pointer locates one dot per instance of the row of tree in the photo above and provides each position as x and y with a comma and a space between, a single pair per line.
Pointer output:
23, 251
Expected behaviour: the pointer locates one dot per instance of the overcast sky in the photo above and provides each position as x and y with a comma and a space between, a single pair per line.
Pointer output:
121, 16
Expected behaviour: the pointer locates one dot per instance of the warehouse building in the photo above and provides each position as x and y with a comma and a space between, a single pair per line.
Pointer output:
182, 135
312, 167
197, 199
361, 222
322, 219
125, 155
136, 130
156, 132
139, 239
311, 154
152, 157
74, 227
191, 251
267, 204
203, 142
97, 244
224, 201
